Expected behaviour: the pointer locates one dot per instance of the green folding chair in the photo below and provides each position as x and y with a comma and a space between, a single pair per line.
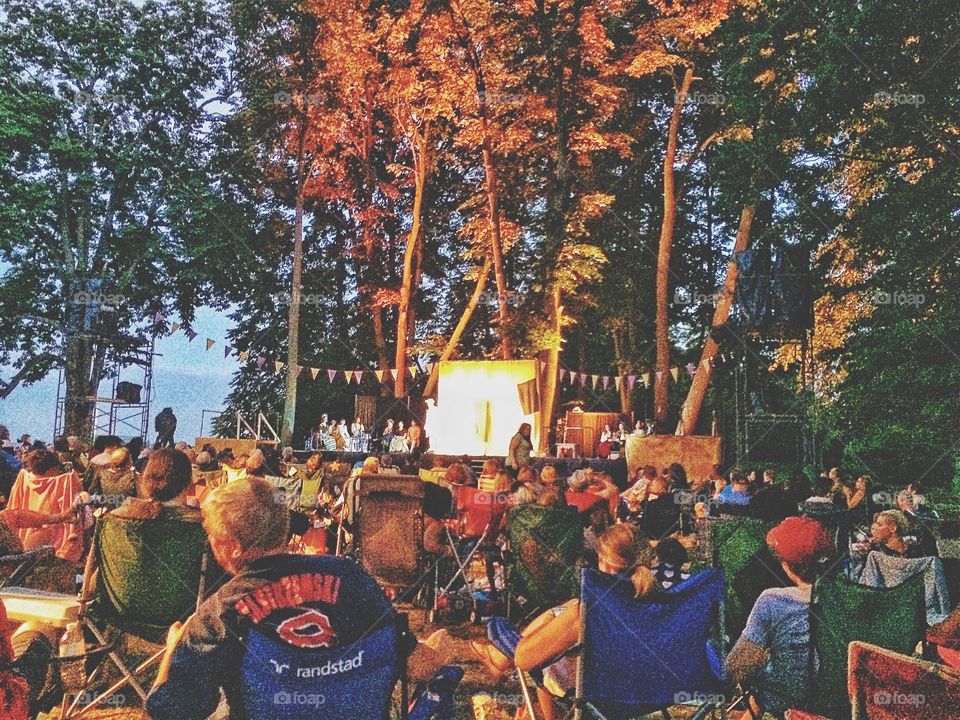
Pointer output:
546, 545
842, 612
142, 575
739, 546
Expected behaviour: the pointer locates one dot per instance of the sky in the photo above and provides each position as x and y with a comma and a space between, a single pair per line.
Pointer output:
186, 377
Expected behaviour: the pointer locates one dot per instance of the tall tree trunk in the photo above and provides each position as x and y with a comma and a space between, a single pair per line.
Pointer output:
461, 326
549, 396
661, 377
407, 289
622, 356
293, 334
701, 380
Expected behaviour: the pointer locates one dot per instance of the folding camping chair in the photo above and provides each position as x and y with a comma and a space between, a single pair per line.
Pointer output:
141, 576
842, 612
545, 547
280, 682
739, 548
642, 655
885, 685
390, 530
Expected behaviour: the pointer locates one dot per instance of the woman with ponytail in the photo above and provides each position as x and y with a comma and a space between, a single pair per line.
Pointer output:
622, 551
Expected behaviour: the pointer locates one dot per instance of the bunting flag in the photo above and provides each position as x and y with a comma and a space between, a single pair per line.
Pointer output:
429, 368
210, 343
314, 372
543, 367
379, 374
394, 372
277, 366
596, 379
606, 381
562, 373
583, 379
631, 381
260, 361
159, 318
616, 382
413, 371
227, 350
675, 373
192, 335
298, 370
691, 369
244, 355
660, 374
331, 374
175, 327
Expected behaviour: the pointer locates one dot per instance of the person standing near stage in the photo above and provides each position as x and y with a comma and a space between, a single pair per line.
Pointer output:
521, 447
166, 425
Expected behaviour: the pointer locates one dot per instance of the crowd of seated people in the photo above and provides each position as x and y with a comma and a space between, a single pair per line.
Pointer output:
643, 532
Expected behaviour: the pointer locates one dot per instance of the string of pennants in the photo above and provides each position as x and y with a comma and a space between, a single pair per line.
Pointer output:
603, 381
331, 374
356, 376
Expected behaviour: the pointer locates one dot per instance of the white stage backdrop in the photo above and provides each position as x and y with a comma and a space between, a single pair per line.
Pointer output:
478, 407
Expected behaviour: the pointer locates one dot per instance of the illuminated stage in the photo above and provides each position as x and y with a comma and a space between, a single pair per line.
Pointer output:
479, 406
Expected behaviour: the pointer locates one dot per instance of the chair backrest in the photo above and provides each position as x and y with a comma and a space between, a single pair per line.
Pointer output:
351, 682
545, 544
739, 549
885, 685
391, 527
843, 611
645, 653
883, 570
150, 571
478, 509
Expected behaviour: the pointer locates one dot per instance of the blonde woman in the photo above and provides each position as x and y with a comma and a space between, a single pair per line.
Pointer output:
622, 551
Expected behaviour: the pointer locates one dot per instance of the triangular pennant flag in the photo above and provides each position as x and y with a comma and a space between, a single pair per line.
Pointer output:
314, 372
675, 373
244, 355
355, 376
191, 335
158, 318
660, 375
210, 343
277, 366
359, 375
298, 370
175, 327
691, 369
543, 366
260, 361
379, 374
583, 379
227, 350
413, 371
331, 374
616, 382
596, 379
562, 373
646, 379
394, 372
429, 368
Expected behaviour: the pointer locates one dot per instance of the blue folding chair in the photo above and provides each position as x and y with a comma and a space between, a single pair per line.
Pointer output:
352, 682
643, 655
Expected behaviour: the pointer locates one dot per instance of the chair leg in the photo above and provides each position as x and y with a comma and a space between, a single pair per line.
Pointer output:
120, 683
527, 699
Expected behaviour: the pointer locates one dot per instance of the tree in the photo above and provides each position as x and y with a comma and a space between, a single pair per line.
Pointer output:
102, 109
